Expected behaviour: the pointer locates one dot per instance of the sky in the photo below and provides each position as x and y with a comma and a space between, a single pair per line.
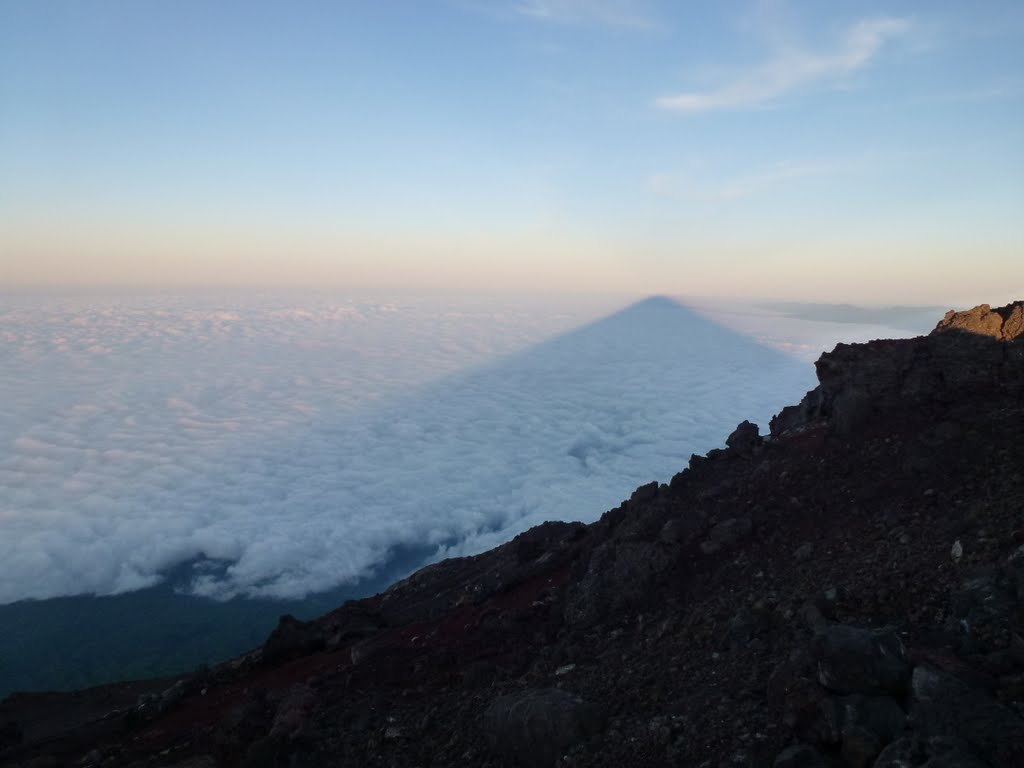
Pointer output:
797, 150
301, 443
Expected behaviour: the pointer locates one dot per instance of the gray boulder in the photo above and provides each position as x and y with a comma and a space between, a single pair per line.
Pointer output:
868, 724
620, 576
536, 727
725, 534
859, 660
943, 706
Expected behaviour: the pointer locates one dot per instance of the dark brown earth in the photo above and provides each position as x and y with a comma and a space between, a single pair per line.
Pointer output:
848, 591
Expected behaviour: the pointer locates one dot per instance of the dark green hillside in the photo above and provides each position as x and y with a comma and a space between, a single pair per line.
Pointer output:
67, 643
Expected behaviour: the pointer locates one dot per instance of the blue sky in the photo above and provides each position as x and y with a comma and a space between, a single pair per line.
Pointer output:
839, 150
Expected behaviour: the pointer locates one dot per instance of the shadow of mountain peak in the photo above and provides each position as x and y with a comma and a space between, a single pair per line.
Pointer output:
654, 302
651, 306
658, 326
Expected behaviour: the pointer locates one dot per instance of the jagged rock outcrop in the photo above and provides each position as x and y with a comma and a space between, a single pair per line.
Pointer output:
848, 593
1003, 323
981, 348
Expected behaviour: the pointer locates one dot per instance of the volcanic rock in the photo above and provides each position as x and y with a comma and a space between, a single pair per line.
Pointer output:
858, 660
745, 439
1004, 323
535, 727
946, 708
800, 756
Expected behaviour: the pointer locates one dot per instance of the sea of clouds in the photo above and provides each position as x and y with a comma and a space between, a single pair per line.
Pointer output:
300, 442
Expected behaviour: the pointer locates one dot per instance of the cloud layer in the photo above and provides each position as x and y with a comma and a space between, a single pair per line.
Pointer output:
300, 445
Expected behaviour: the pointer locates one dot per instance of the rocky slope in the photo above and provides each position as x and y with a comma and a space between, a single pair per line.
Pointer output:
847, 591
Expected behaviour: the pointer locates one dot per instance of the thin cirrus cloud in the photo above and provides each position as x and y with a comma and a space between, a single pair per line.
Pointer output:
792, 69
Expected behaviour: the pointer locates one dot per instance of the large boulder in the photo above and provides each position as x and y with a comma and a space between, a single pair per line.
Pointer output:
534, 728
744, 440
868, 723
292, 638
725, 534
620, 576
984, 606
859, 660
1003, 323
880, 716
944, 706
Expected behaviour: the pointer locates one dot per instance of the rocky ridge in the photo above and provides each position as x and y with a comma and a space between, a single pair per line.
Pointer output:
846, 591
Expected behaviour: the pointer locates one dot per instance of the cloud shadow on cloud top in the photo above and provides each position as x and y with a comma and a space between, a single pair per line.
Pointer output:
563, 430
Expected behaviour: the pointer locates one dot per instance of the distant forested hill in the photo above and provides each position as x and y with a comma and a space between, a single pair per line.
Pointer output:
67, 643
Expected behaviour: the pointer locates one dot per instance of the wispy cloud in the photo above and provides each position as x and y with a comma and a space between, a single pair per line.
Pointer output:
791, 69
613, 13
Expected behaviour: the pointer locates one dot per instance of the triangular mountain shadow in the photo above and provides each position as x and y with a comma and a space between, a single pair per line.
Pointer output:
656, 333
568, 427
656, 323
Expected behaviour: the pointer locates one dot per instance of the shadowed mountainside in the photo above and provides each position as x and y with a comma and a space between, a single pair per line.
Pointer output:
848, 591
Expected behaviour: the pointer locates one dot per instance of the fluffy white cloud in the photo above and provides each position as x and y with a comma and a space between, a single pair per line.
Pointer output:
303, 445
